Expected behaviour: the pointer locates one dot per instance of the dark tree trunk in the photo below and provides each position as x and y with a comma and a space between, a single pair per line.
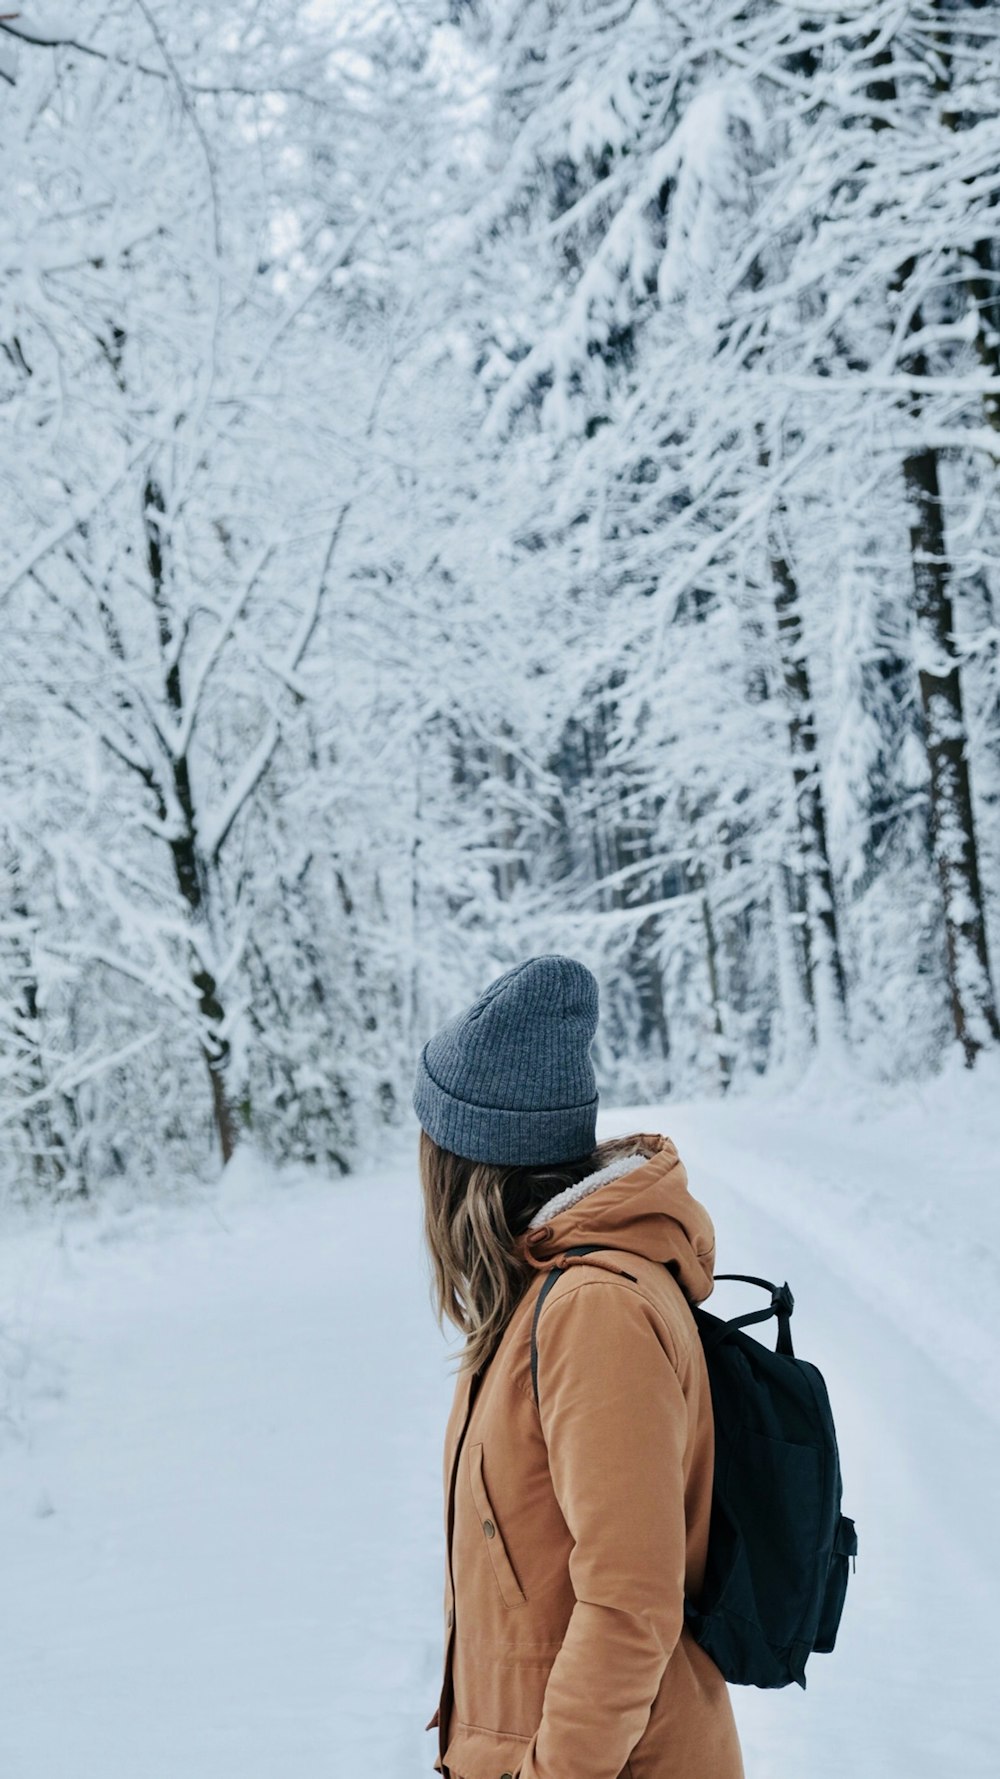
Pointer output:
953, 834
190, 869
48, 1150
983, 285
827, 988
712, 960
973, 1005
794, 970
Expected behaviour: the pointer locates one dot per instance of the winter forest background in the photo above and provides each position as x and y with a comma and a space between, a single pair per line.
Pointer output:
483, 479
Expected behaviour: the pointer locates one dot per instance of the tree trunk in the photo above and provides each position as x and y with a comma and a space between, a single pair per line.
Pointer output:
983, 285
973, 1005
222, 1110
190, 869
827, 991
712, 961
46, 1146
647, 979
790, 927
953, 835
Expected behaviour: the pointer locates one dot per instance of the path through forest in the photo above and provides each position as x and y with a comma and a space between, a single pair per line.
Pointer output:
220, 1426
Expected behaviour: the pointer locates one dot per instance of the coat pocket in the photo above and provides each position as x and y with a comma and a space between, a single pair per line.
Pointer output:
511, 1592
475, 1753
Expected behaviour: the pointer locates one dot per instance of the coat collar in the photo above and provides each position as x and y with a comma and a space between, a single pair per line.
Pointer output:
640, 1205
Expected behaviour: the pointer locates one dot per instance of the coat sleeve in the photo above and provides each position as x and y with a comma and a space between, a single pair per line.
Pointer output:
614, 1419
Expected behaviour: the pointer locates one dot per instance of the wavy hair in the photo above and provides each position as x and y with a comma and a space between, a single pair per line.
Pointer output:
473, 1213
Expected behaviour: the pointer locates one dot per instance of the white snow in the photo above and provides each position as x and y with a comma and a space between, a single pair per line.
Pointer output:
220, 1435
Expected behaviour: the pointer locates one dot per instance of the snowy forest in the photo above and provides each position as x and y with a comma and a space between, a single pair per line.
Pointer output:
481, 479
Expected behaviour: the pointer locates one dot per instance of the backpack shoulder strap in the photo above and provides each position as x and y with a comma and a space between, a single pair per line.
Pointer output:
540, 1299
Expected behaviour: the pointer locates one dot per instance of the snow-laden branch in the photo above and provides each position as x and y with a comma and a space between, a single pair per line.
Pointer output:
180, 739
214, 830
76, 1070
83, 509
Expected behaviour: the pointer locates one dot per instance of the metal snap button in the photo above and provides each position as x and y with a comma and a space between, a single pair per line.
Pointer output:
489, 1528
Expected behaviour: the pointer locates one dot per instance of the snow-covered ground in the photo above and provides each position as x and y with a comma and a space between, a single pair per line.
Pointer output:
220, 1431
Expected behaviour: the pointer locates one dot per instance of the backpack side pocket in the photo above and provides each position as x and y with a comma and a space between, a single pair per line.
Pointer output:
845, 1547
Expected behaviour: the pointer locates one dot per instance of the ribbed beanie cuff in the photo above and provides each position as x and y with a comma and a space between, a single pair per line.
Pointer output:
510, 1080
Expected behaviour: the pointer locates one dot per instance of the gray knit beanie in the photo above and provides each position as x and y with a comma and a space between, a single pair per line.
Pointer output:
510, 1080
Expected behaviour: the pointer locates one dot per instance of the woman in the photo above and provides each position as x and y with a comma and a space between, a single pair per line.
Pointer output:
574, 1527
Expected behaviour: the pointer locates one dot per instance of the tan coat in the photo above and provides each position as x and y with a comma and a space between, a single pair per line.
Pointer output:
574, 1532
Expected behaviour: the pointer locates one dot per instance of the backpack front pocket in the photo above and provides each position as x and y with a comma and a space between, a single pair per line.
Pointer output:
511, 1592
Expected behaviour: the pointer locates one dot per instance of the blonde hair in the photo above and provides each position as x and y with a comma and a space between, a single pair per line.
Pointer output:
473, 1212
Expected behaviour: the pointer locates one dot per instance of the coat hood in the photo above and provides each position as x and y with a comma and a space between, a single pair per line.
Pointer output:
640, 1206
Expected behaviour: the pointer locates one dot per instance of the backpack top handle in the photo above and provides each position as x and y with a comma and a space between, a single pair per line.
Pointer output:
781, 1305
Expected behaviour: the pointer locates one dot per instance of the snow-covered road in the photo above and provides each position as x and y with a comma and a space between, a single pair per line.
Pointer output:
220, 1527
910, 1692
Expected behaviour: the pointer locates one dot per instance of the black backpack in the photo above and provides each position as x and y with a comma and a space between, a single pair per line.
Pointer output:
778, 1545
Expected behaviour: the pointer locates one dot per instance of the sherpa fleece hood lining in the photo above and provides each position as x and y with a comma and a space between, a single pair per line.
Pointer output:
571, 1195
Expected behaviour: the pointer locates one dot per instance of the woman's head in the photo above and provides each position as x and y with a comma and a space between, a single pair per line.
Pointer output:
473, 1213
507, 1101
510, 1080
